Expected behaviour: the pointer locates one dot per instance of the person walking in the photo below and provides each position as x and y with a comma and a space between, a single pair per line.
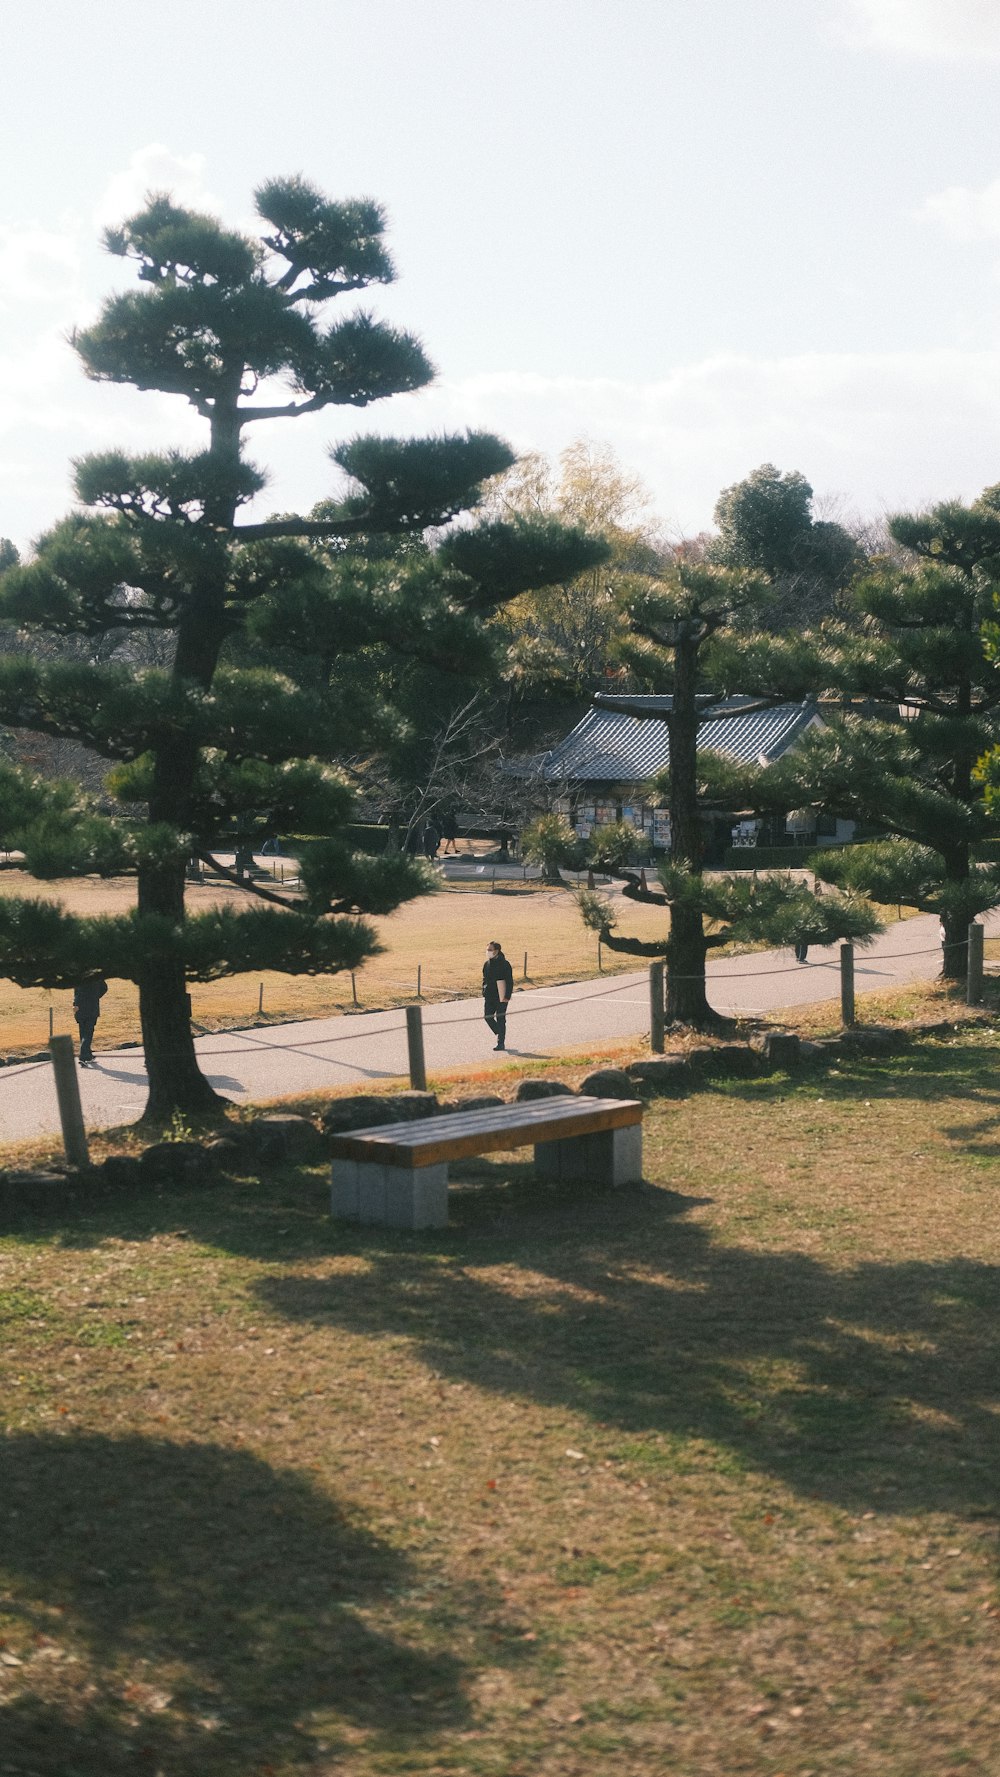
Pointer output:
498, 985
801, 949
432, 839
87, 999
449, 832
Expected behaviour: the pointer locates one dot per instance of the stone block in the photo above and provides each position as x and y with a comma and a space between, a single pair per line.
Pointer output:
873, 1041
607, 1082
731, 1061
611, 1157
529, 1089
416, 1196
779, 1048
180, 1162
361, 1110
371, 1192
408, 1107
487, 1102
663, 1074
281, 1137
345, 1200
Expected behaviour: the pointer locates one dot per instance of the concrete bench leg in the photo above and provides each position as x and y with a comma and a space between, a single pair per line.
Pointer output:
614, 1157
390, 1196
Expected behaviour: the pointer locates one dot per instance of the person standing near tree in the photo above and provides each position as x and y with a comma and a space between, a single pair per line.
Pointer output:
449, 831
498, 985
87, 999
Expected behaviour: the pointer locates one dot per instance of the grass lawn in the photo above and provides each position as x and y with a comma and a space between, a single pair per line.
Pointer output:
700, 1478
444, 934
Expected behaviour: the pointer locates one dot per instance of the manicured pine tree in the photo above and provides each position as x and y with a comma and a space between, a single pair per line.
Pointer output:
921, 686
233, 324
684, 644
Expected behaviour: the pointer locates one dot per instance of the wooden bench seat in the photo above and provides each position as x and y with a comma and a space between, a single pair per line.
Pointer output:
397, 1173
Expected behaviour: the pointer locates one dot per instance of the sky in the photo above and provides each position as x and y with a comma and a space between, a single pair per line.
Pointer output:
710, 233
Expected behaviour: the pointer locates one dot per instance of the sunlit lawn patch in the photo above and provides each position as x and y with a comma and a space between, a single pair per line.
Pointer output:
701, 1478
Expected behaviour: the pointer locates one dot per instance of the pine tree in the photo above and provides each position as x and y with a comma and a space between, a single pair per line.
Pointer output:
921, 685
684, 643
766, 525
232, 324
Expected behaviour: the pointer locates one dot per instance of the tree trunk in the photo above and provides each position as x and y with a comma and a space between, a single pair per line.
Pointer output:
687, 1002
686, 999
176, 1082
955, 949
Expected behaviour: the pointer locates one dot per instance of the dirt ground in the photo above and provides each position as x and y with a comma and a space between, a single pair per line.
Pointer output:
443, 936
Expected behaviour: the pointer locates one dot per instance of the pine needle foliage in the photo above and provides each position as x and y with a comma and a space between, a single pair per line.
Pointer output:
919, 676
236, 325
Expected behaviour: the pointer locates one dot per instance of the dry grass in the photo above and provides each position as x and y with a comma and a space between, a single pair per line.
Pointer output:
444, 934
699, 1479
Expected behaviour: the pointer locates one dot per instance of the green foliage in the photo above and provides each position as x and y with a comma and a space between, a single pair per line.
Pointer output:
765, 523
551, 842
782, 910
616, 844
899, 870
564, 632
504, 558
596, 912
414, 482
43, 946
357, 608
333, 875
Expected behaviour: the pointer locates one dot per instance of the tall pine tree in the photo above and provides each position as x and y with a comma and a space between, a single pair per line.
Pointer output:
684, 643
920, 679
233, 324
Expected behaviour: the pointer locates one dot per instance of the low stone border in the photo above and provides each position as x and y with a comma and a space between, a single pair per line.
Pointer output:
272, 1139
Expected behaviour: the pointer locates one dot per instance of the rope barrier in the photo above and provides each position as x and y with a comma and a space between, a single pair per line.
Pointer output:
251, 1039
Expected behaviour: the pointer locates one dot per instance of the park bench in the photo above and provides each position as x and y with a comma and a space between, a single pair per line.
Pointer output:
397, 1173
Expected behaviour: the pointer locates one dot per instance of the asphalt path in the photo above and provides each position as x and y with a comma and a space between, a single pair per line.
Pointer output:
370, 1048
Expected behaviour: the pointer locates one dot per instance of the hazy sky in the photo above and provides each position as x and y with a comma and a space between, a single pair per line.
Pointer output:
710, 232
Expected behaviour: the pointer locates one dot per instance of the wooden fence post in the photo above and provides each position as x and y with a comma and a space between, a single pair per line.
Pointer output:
415, 1047
656, 1008
847, 985
974, 972
68, 1094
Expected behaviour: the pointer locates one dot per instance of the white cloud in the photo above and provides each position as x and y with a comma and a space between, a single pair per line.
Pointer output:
154, 168
883, 430
38, 264
949, 30
965, 214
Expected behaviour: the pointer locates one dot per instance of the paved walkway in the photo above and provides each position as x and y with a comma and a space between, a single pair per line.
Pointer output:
371, 1047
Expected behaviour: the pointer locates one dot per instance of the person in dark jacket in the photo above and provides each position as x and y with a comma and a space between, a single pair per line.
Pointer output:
87, 1010
498, 985
449, 832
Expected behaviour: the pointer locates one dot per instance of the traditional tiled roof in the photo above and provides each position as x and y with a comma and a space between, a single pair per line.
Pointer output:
617, 746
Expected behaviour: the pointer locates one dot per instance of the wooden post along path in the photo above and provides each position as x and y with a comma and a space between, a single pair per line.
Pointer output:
68, 1094
656, 1008
974, 970
415, 1048
847, 985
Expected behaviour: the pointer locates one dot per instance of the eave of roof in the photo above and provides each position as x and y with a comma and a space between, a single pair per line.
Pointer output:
618, 746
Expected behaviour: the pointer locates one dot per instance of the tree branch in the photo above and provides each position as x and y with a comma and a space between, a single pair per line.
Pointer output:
250, 888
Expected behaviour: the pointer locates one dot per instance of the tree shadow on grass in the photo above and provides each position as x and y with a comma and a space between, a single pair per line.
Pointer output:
204, 1577
874, 1386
